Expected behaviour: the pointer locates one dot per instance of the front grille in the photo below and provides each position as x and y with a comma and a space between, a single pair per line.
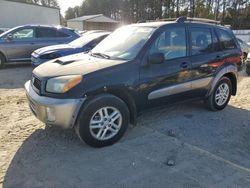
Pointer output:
36, 83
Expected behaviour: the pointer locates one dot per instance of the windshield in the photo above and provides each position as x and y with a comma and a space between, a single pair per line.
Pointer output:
125, 42
85, 39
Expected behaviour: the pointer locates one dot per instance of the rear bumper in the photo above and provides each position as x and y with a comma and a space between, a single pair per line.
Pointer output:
58, 112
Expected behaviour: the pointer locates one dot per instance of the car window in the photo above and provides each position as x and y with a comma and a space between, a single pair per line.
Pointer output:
201, 41
62, 34
226, 40
44, 32
216, 43
23, 33
86, 39
94, 42
240, 41
100, 39
125, 43
172, 43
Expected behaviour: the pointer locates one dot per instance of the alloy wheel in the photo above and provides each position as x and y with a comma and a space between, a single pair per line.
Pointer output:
105, 123
222, 94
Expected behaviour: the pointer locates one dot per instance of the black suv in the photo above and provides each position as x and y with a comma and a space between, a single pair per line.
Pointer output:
136, 67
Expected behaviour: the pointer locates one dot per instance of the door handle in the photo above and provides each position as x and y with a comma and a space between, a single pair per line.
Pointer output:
184, 65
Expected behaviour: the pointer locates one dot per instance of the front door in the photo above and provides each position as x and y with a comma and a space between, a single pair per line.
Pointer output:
21, 45
170, 80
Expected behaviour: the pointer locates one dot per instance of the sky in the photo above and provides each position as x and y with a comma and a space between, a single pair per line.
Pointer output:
65, 4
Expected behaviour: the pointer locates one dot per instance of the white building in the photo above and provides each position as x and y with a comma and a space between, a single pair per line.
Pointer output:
93, 22
243, 35
13, 14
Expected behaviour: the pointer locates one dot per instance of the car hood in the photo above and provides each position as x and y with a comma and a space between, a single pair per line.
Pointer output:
53, 48
81, 64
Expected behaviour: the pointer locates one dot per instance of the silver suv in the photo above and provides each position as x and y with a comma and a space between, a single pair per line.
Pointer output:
18, 43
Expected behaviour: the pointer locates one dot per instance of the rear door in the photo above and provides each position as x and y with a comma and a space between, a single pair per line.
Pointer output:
170, 80
205, 55
47, 36
50, 36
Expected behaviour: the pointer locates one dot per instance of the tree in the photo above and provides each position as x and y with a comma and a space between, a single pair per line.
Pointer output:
50, 3
232, 12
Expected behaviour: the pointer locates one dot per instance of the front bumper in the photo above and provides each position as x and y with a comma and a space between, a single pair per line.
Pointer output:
58, 112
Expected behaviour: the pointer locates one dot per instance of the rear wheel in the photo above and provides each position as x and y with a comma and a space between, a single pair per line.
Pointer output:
221, 95
2, 61
103, 121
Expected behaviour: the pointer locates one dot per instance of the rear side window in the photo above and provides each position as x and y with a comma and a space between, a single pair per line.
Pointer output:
62, 34
201, 41
226, 40
46, 33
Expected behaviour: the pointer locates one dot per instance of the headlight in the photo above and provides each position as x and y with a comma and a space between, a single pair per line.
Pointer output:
62, 84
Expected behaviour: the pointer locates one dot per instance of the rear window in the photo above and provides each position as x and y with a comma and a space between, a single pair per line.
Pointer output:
61, 34
226, 39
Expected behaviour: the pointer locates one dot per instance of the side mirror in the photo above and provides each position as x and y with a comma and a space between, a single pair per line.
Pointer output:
156, 58
9, 36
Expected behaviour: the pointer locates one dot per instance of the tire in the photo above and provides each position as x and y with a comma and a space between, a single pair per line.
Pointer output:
248, 68
2, 61
219, 104
91, 113
244, 56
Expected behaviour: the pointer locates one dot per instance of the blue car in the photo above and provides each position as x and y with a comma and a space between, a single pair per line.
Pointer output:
83, 44
18, 43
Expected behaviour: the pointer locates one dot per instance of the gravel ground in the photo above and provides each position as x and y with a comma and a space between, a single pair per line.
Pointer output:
183, 145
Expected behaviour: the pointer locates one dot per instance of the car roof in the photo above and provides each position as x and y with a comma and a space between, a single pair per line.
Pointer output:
196, 21
152, 24
42, 25
59, 27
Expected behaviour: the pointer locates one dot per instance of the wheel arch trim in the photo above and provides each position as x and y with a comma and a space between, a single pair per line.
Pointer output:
121, 93
229, 71
4, 56
128, 99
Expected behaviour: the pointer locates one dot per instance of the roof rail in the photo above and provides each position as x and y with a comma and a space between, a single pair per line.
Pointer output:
183, 19
165, 19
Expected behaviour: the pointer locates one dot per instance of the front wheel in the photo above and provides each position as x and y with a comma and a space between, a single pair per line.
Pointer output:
2, 61
221, 95
103, 121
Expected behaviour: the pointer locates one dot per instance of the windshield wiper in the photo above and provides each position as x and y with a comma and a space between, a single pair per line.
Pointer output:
101, 55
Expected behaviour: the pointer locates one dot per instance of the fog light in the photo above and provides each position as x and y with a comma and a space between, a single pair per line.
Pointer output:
50, 113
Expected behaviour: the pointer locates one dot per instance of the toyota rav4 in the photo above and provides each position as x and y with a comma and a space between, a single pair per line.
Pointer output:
136, 67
